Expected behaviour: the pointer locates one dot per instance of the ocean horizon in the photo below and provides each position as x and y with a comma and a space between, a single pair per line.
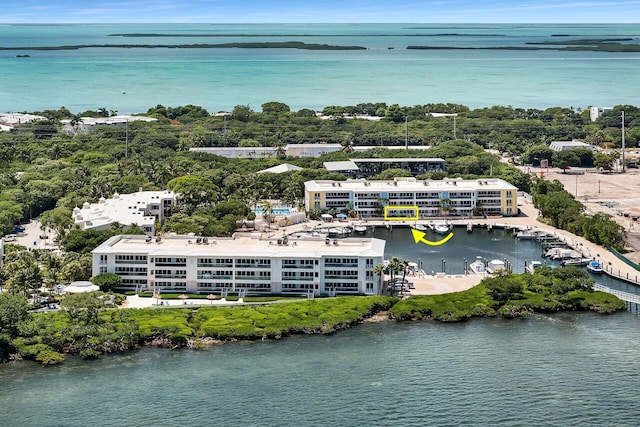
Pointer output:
470, 64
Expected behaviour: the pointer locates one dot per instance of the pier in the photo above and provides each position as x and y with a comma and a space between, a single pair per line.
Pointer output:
627, 297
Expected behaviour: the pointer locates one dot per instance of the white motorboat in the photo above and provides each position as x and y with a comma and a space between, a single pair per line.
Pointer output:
496, 266
576, 262
595, 267
478, 267
360, 229
527, 234
533, 265
562, 254
335, 232
420, 227
442, 228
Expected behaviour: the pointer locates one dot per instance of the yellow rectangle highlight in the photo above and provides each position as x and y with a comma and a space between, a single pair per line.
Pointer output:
404, 218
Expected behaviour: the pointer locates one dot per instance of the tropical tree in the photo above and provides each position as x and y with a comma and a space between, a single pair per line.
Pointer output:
393, 267
347, 144
565, 159
603, 161
57, 219
445, 206
107, 281
194, 191
267, 211
378, 270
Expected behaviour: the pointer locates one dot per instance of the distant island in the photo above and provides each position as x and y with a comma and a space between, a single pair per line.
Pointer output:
257, 45
594, 45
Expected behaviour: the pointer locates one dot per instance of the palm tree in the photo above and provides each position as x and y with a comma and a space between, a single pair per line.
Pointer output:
404, 264
393, 267
445, 206
382, 202
267, 211
378, 270
347, 144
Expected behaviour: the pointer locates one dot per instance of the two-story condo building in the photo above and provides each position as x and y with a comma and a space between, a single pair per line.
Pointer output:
250, 264
414, 198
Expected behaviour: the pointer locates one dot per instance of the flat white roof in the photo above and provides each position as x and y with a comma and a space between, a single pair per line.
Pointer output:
243, 246
409, 184
400, 159
115, 120
346, 165
560, 145
285, 167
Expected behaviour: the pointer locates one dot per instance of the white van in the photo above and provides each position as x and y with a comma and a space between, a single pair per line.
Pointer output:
10, 238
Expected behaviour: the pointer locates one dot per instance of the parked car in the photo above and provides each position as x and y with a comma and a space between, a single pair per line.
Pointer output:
10, 238
398, 287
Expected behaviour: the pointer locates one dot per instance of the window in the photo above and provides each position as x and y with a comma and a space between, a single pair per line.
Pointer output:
176, 262
129, 259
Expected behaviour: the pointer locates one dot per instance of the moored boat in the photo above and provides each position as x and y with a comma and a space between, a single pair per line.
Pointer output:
335, 232
441, 228
360, 229
595, 267
527, 234
533, 265
477, 267
576, 262
562, 254
496, 266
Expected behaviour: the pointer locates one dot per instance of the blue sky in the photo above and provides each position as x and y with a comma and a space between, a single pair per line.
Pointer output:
257, 11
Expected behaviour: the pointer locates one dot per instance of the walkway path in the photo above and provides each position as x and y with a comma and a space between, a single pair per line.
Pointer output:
624, 296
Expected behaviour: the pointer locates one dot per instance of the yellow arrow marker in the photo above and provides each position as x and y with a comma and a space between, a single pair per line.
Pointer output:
418, 236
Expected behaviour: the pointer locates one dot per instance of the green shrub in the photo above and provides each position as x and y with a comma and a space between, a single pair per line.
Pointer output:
38, 352
89, 353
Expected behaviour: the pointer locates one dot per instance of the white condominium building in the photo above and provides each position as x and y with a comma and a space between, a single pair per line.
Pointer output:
249, 264
415, 199
142, 209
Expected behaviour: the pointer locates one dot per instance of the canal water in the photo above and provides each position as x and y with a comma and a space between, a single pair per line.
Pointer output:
463, 248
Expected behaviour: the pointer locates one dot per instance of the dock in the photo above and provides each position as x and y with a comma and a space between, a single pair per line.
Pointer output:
624, 296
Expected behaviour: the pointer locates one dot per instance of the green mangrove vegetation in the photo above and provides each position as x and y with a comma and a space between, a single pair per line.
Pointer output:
515, 295
83, 329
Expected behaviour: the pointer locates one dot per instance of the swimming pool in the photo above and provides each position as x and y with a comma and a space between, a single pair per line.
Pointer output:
276, 211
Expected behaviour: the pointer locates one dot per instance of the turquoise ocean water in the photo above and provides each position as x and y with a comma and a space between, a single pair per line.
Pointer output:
132, 80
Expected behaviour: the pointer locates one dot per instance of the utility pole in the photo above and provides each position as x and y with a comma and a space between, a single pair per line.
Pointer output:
454, 126
406, 133
224, 118
126, 139
623, 141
